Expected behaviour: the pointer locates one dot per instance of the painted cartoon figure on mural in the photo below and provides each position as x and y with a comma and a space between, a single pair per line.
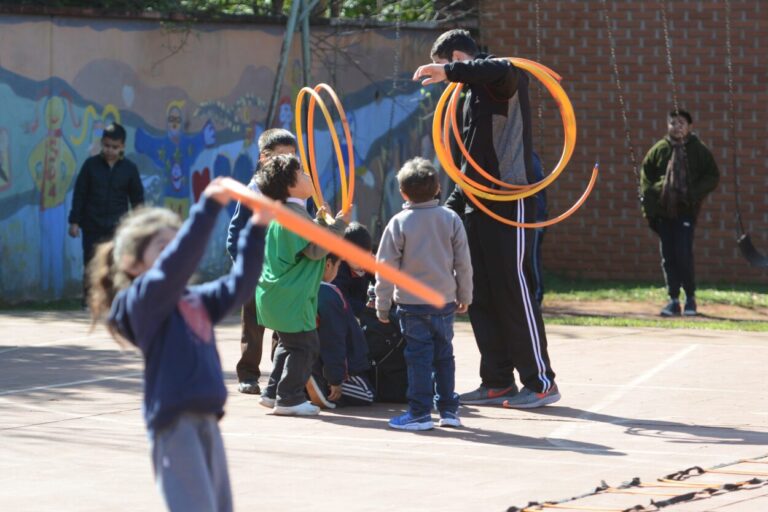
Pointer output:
96, 122
175, 154
5, 159
52, 166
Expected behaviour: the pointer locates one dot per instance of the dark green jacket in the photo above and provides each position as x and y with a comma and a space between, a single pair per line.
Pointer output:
703, 177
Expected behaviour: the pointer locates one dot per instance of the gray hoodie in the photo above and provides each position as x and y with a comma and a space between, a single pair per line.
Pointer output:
428, 242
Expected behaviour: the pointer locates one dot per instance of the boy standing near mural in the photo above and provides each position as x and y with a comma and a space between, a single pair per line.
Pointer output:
106, 185
275, 141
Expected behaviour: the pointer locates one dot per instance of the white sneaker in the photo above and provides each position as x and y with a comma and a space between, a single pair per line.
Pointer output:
267, 402
303, 409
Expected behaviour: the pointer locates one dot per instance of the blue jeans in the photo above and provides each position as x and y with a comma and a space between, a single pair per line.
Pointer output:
428, 333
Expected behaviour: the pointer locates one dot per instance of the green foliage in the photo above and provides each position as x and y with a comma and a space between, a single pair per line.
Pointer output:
387, 10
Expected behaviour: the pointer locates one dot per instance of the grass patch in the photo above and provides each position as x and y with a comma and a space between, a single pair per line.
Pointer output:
601, 321
569, 289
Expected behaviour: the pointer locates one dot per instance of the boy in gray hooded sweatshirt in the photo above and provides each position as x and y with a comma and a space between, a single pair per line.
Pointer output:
429, 242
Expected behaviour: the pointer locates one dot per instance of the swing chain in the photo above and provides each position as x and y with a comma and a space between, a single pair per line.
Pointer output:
667, 46
620, 88
732, 111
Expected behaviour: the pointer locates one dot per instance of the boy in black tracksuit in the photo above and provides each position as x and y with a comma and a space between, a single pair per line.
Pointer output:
496, 129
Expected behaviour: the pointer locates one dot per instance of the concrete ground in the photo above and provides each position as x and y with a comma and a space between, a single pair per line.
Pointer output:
636, 402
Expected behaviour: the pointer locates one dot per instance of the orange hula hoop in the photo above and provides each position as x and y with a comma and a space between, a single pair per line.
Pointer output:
474, 190
331, 242
310, 164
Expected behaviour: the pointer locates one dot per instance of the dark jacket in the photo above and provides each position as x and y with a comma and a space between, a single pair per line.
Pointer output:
102, 194
343, 349
496, 126
172, 323
353, 287
239, 219
703, 177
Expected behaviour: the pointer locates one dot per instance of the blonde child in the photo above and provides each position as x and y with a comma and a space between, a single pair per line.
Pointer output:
140, 278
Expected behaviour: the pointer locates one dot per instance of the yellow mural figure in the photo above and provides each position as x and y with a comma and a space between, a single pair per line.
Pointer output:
52, 166
110, 114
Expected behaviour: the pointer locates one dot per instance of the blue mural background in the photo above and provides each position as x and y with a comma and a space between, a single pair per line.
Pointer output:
190, 116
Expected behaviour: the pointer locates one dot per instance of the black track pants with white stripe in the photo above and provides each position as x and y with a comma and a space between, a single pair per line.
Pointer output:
505, 317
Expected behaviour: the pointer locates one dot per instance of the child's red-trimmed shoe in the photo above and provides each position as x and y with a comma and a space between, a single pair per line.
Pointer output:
527, 399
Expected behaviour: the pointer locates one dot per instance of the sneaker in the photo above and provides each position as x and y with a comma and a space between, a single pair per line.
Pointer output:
317, 395
267, 402
449, 419
671, 309
408, 422
303, 409
527, 399
484, 395
690, 307
249, 387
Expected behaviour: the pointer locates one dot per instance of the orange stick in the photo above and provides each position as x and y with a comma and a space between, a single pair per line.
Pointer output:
329, 241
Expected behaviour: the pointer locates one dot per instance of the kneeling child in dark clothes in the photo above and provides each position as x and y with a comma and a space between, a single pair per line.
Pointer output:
339, 376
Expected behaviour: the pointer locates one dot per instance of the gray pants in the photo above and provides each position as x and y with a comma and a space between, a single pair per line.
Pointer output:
295, 354
191, 466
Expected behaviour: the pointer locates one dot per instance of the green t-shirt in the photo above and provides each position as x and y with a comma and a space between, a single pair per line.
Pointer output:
286, 297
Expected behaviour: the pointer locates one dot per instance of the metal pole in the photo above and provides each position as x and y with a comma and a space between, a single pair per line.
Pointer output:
284, 54
305, 48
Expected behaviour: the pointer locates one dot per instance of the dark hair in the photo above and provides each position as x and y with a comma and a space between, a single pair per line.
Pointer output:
274, 137
359, 235
277, 175
114, 131
456, 39
107, 269
418, 180
333, 258
681, 113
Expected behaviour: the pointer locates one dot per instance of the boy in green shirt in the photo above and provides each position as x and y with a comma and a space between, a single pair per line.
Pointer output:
286, 297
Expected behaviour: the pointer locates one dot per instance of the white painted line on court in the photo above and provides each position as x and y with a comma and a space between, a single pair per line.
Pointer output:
69, 384
656, 388
614, 397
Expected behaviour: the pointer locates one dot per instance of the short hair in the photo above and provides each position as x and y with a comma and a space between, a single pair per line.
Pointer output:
456, 39
681, 113
333, 258
278, 174
114, 131
418, 180
274, 137
359, 235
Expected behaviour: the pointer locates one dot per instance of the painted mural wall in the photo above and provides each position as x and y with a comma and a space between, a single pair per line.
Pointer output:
193, 103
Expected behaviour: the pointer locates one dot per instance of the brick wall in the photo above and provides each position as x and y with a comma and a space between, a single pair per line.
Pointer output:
608, 237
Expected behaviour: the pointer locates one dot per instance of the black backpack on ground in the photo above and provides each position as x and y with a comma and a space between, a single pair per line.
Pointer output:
386, 347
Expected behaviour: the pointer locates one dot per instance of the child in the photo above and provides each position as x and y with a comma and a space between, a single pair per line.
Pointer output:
340, 373
105, 187
352, 280
141, 277
428, 242
275, 141
286, 297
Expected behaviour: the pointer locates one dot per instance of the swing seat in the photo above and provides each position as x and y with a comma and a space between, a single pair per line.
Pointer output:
750, 252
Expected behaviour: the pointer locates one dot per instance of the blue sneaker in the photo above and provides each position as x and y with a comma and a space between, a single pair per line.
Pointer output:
527, 399
671, 309
449, 419
408, 422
